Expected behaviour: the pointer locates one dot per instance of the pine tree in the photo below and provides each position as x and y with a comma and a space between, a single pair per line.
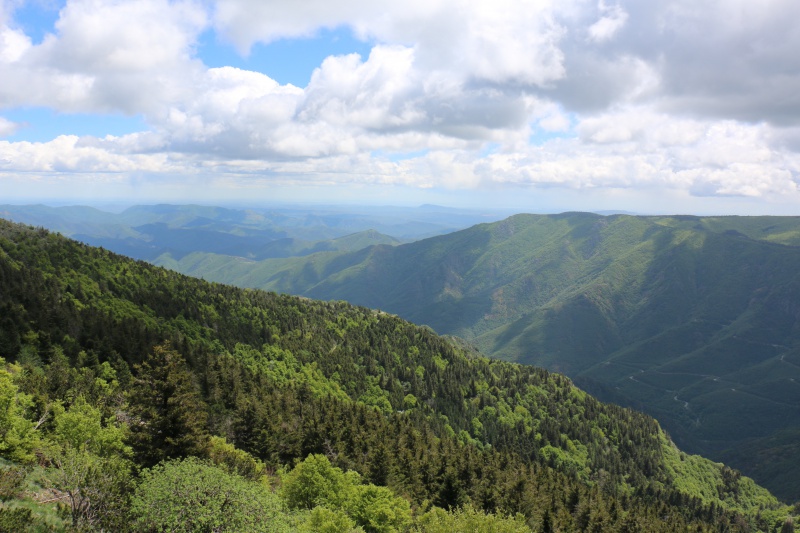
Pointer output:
168, 415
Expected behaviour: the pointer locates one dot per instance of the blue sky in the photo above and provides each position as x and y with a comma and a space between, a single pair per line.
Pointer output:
537, 106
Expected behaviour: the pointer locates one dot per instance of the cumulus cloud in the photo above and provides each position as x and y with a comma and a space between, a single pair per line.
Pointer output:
129, 57
502, 41
67, 153
13, 43
7, 128
697, 96
609, 24
636, 147
729, 60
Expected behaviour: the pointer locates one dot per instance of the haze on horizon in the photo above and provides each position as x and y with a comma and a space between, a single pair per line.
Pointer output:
539, 106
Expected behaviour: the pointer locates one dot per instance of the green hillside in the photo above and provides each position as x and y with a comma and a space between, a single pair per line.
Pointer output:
113, 366
694, 320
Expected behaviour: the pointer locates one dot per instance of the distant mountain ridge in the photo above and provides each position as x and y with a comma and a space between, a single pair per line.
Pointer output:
694, 319
148, 231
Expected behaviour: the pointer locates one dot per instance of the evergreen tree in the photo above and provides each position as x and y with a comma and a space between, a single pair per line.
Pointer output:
168, 415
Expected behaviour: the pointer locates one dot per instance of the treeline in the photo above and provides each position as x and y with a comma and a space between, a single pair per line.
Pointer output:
160, 365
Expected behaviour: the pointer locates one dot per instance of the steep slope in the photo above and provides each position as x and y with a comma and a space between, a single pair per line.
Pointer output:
693, 319
282, 377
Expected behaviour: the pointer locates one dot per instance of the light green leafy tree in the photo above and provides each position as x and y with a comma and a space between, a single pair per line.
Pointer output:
90, 466
467, 518
82, 428
18, 435
378, 509
233, 460
188, 495
324, 520
315, 482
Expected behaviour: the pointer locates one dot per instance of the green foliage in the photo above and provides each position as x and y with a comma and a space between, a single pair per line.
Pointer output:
20, 511
324, 520
81, 427
169, 414
93, 489
234, 460
282, 368
282, 378
12, 481
15, 520
469, 519
713, 482
377, 509
17, 434
315, 482
690, 318
190, 496
376, 397
410, 401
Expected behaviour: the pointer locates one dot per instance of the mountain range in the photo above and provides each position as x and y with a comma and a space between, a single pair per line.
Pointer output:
116, 371
692, 319
695, 320
149, 231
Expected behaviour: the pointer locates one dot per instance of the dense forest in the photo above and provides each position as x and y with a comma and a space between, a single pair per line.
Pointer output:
692, 319
131, 395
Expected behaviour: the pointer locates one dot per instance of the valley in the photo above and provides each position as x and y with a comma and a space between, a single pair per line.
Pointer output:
690, 319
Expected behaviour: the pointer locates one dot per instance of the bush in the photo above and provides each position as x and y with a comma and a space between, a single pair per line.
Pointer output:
316, 482
469, 519
188, 495
378, 510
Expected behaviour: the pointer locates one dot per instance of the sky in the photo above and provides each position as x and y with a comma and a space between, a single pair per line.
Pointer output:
681, 106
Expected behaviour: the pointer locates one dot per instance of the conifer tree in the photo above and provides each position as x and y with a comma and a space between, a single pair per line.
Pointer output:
168, 414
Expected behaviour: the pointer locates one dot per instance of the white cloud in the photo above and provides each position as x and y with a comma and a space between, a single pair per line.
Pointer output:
13, 44
637, 148
67, 153
7, 128
503, 41
728, 59
643, 149
613, 19
701, 97
128, 57
553, 119
132, 36
372, 94
245, 22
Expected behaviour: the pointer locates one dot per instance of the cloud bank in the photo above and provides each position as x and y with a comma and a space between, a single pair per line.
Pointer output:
699, 97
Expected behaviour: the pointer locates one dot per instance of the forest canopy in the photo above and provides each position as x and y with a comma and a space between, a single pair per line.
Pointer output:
128, 392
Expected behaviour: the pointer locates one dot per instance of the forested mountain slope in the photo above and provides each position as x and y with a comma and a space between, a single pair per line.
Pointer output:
695, 320
282, 377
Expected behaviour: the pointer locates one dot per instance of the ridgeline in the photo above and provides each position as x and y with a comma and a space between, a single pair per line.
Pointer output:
133, 370
692, 319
